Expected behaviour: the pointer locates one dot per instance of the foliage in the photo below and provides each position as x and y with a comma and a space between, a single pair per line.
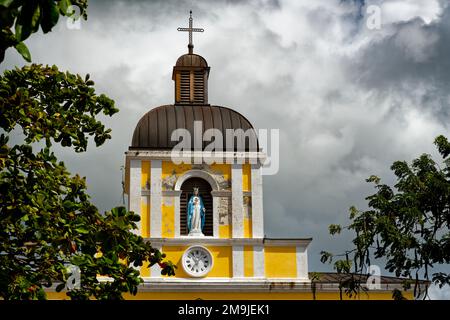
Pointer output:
408, 225
26, 16
46, 218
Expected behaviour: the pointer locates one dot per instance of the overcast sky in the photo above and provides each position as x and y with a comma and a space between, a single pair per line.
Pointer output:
348, 99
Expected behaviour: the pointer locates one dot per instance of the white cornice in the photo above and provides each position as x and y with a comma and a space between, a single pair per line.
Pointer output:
190, 156
229, 242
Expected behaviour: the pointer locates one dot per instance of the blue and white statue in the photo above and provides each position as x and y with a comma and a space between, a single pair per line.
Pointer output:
195, 214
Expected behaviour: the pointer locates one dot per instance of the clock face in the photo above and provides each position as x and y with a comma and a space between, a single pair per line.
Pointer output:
197, 261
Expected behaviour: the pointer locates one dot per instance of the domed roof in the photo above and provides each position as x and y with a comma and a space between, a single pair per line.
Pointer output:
191, 60
155, 128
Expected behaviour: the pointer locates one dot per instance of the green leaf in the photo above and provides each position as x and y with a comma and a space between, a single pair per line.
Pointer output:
63, 6
50, 15
82, 230
6, 3
36, 17
27, 20
334, 229
23, 50
60, 287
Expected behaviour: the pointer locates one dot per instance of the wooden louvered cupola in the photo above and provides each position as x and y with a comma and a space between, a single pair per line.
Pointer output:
191, 80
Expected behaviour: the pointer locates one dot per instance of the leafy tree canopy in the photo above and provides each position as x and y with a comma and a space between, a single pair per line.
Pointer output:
408, 225
26, 16
46, 218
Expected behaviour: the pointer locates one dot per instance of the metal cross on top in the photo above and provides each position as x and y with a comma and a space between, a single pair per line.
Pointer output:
190, 30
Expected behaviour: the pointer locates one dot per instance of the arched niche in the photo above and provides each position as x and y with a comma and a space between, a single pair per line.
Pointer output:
205, 189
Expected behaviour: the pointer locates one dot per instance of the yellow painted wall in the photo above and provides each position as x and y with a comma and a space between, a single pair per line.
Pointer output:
145, 218
247, 228
169, 168
222, 256
225, 231
280, 262
248, 261
168, 218
246, 177
145, 270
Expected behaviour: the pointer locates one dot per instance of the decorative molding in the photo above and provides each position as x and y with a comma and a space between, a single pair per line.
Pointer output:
195, 173
171, 284
214, 241
165, 193
287, 242
228, 193
190, 156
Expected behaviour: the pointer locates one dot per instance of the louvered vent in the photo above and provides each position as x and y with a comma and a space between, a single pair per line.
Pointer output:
199, 86
185, 86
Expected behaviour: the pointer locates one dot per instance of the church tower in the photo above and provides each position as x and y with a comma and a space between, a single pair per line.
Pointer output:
230, 257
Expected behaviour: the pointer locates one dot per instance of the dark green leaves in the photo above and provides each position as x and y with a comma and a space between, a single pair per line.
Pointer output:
23, 50
50, 15
26, 16
408, 225
46, 217
27, 20
49, 104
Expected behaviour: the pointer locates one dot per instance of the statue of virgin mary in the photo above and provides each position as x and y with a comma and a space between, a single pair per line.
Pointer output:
195, 214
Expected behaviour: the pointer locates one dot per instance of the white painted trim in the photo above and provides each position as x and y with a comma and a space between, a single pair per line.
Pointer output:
190, 156
155, 270
155, 198
257, 202
177, 213
224, 285
213, 241
227, 193
258, 262
287, 242
238, 261
215, 216
195, 173
237, 202
302, 262
135, 191
172, 284
165, 193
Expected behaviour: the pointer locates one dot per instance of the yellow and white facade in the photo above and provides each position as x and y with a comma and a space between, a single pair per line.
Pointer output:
244, 261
